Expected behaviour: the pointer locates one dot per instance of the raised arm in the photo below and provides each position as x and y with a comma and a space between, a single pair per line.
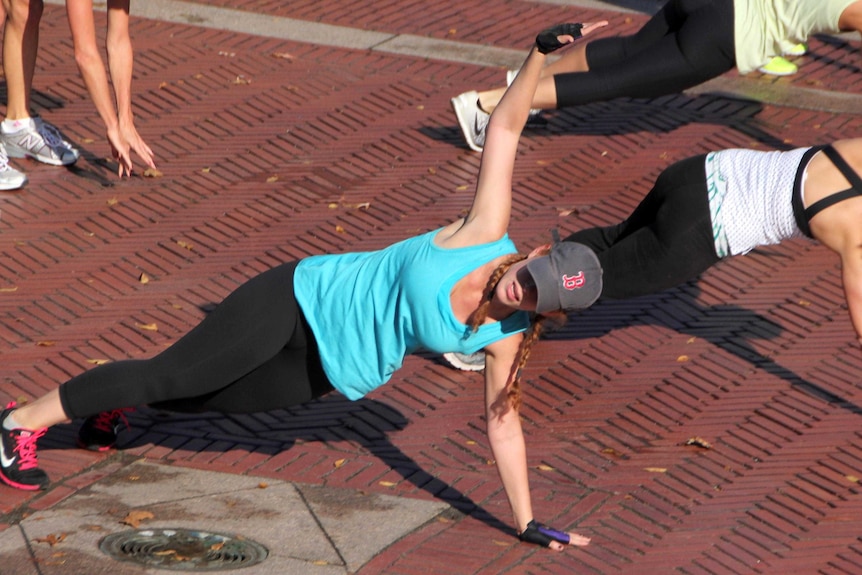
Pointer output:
488, 218
506, 439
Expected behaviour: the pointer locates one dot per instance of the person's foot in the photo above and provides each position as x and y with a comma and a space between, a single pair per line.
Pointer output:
466, 361
779, 66
798, 50
99, 432
19, 464
10, 178
471, 118
37, 139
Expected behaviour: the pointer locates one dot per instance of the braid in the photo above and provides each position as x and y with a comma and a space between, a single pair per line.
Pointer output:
478, 316
537, 325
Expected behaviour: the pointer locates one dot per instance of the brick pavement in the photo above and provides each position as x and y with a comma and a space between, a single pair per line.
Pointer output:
271, 149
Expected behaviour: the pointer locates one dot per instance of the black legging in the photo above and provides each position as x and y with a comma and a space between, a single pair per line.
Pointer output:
667, 239
687, 43
254, 352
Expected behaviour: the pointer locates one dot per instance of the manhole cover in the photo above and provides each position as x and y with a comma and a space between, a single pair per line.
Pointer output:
184, 549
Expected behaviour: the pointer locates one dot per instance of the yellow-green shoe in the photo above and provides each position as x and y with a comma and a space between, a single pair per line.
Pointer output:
797, 50
778, 66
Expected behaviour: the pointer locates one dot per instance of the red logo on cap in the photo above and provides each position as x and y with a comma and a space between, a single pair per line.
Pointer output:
575, 281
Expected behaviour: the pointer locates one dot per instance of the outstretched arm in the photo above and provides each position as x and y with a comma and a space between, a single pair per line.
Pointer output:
851, 272
82, 25
121, 63
507, 443
488, 218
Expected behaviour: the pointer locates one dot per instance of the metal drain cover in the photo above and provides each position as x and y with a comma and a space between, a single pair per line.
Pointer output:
184, 549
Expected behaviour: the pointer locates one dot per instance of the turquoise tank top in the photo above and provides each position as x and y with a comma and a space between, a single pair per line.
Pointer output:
368, 310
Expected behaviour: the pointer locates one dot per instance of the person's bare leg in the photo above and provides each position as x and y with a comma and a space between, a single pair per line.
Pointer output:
20, 46
44, 412
545, 98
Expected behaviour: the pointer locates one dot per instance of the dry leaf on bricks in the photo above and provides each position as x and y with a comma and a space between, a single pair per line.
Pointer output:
134, 518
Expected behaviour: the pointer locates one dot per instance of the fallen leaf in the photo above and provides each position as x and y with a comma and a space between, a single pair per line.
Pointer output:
152, 173
134, 518
682, 359
282, 56
565, 213
339, 229
228, 54
163, 85
217, 546
499, 543
262, 485
804, 303
51, 539
387, 484
462, 188
241, 80
420, 107
9, 289
470, 442
45, 343
185, 245
148, 326
205, 170
338, 463
333, 206
699, 442
144, 278
852, 478
544, 467
113, 202
87, 140
432, 171
98, 361
656, 469
272, 179
691, 340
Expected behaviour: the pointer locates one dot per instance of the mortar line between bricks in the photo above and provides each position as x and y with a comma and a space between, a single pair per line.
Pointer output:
264, 25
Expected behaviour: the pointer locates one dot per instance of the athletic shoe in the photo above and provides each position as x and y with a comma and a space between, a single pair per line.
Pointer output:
41, 141
510, 77
797, 50
778, 66
466, 361
10, 178
471, 118
19, 467
99, 432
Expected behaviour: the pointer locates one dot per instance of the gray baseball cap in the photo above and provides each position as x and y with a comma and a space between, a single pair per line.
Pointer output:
569, 278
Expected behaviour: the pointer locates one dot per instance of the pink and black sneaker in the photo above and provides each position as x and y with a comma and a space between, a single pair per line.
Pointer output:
20, 465
99, 432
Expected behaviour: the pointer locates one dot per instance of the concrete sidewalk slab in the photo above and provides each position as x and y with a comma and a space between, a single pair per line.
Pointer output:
307, 530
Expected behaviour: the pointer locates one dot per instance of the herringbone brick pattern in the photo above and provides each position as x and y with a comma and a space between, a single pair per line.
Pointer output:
271, 151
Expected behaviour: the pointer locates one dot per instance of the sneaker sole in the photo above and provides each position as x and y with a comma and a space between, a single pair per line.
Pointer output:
97, 448
466, 128
14, 151
22, 486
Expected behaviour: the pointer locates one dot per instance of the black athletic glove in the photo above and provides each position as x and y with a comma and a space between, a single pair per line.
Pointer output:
547, 41
542, 535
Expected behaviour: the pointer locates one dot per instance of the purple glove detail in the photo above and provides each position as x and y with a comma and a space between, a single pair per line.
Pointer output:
547, 40
542, 535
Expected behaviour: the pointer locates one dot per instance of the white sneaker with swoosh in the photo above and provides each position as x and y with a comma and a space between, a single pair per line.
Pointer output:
471, 118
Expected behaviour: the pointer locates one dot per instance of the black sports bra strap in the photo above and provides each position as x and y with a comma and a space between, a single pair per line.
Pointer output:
855, 188
844, 167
